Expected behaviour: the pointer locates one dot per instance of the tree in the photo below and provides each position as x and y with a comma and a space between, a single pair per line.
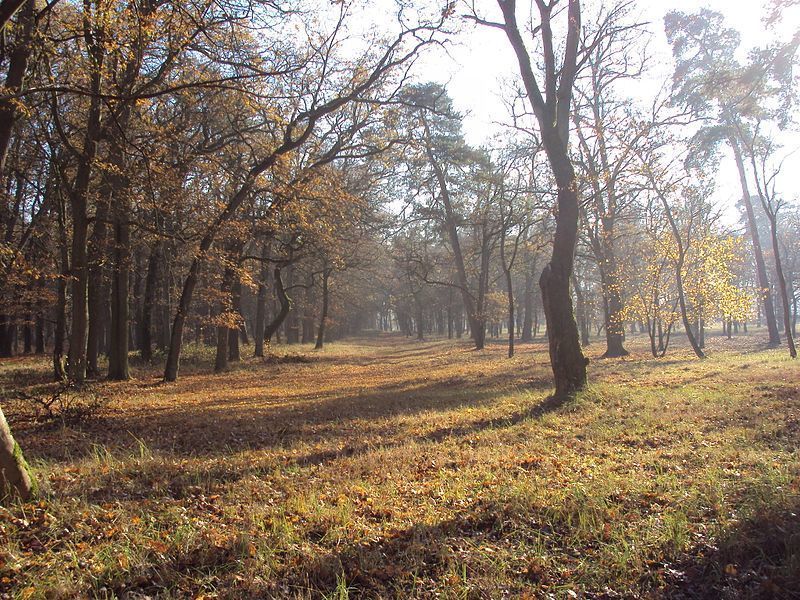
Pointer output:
551, 106
607, 138
312, 104
761, 151
713, 84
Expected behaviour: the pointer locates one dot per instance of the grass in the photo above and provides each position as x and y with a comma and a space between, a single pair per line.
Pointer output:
386, 468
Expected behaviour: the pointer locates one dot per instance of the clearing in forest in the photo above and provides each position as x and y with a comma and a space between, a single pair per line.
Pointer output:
386, 468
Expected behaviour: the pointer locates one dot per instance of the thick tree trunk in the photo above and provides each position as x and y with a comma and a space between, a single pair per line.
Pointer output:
118, 368
566, 358
552, 114
6, 337
15, 474
221, 359
77, 343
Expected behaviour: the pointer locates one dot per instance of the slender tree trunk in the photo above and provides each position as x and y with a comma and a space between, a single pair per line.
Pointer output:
324, 315
261, 303
60, 329
787, 315
583, 324
420, 318
234, 355
223, 331
27, 335
761, 268
148, 303
615, 328
80, 221
510, 292
695, 344
39, 334
450, 314
527, 319
476, 321
285, 306
97, 289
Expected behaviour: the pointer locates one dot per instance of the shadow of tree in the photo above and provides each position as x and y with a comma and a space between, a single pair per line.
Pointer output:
420, 558
757, 559
173, 478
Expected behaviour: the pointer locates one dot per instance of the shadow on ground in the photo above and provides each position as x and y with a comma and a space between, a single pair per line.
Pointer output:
757, 559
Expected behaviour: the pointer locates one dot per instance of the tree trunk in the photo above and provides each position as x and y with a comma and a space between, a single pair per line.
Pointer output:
476, 321
761, 268
510, 292
583, 324
285, 306
15, 474
787, 315
566, 358
223, 331
684, 313
150, 283
118, 367
15, 76
552, 114
6, 337
261, 304
527, 319
324, 316
234, 355
60, 329
97, 290
615, 328
39, 334
80, 225
77, 344
420, 318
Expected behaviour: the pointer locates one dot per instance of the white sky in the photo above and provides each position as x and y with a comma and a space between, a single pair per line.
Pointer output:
480, 59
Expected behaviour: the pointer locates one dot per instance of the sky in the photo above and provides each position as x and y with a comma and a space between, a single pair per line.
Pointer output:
480, 59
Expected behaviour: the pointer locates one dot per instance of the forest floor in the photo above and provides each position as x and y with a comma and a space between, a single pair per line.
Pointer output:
388, 468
